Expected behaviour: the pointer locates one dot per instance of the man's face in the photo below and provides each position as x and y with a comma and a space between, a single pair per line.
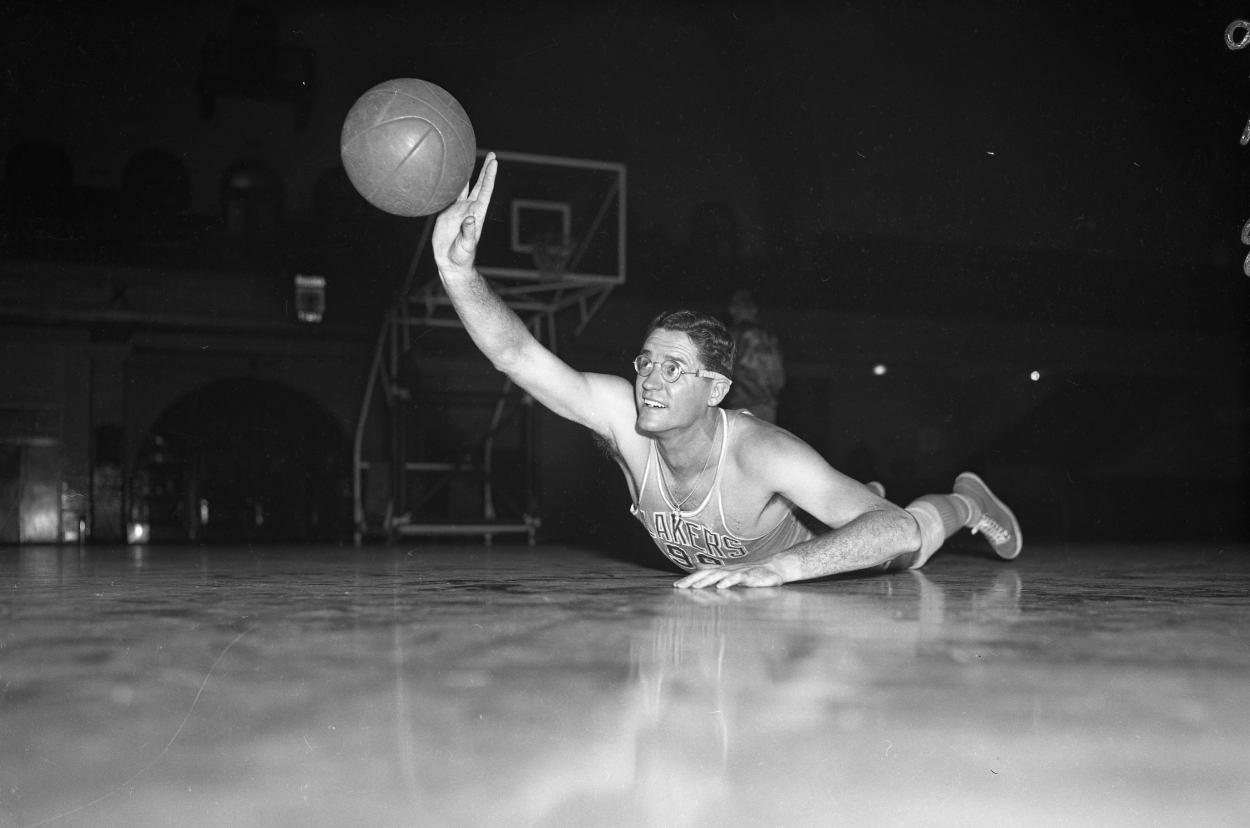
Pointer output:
664, 405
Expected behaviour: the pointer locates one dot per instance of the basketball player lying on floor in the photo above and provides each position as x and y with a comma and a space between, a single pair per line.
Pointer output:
717, 490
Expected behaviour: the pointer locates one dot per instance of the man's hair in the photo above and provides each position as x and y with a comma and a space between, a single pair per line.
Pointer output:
715, 345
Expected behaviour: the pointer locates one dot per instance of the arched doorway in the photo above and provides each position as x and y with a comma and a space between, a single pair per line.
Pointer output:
244, 461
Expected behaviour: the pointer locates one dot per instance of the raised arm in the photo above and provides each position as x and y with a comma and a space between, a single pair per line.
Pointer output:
866, 530
600, 402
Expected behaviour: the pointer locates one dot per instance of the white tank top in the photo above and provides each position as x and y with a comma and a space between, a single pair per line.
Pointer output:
700, 538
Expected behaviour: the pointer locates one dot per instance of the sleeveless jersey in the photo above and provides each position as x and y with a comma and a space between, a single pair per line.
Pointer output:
700, 538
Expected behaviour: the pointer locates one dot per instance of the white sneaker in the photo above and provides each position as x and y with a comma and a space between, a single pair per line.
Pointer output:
998, 524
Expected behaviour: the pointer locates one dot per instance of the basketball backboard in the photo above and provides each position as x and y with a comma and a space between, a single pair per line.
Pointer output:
538, 198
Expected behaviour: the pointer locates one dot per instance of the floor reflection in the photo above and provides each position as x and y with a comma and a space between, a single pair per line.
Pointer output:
262, 687
49, 564
720, 680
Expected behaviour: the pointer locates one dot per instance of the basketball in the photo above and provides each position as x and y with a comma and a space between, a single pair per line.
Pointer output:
408, 147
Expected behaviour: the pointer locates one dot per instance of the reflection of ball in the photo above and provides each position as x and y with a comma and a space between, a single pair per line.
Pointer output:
408, 147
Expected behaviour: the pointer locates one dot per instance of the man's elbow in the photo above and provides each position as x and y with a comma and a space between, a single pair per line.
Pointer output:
506, 362
510, 356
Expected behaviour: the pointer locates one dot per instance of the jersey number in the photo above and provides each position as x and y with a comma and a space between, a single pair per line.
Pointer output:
680, 557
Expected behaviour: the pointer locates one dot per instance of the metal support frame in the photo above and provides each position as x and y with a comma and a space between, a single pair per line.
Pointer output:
540, 304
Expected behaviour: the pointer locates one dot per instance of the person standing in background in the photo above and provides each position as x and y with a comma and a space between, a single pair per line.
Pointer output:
759, 371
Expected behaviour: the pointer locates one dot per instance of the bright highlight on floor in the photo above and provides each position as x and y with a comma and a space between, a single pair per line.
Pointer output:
518, 686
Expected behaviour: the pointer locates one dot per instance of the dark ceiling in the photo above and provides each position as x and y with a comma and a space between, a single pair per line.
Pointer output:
885, 156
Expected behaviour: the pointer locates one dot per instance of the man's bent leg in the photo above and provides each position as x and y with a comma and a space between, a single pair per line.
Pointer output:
972, 505
938, 516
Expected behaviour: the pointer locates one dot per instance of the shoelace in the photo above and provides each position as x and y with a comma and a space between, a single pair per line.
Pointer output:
996, 533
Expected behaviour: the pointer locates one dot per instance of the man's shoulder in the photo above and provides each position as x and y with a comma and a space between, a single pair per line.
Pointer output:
769, 460
758, 444
616, 391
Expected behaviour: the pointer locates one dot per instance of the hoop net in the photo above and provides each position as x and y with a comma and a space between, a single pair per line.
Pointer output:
551, 255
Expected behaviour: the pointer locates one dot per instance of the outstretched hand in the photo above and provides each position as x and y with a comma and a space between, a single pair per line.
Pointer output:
458, 228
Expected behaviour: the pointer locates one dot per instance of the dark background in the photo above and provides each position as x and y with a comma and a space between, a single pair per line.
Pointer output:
972, 190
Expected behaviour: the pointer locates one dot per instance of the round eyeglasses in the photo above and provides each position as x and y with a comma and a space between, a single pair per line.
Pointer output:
670, 370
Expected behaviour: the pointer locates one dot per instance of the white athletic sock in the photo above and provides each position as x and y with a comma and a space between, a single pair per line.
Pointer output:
939, 517
974, 509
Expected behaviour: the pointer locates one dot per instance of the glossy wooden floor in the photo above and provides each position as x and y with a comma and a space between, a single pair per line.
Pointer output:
459, 686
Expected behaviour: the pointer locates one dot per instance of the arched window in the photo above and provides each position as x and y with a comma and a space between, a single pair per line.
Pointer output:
251, 201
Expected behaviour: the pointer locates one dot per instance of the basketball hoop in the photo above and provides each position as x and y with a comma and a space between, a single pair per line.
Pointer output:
551, 253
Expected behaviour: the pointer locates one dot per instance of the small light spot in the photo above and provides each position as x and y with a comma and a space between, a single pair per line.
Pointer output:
879, 369
1035, 376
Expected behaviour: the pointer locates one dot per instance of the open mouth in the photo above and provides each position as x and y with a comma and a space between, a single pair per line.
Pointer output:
653, 404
